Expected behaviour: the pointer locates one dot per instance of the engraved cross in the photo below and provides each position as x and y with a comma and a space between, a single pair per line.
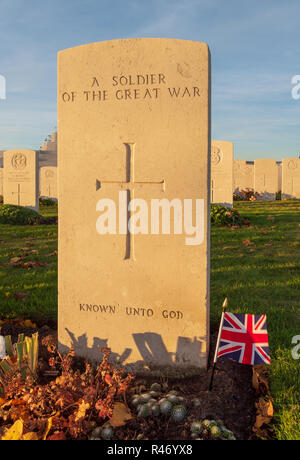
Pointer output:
129, 185
19, 193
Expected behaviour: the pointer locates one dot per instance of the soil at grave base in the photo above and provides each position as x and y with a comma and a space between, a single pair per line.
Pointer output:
232, 399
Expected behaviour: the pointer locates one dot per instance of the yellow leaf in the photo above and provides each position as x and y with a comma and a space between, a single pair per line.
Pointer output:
48, 428
30, 437
121, 414
265, 408
61, 380
15, 260
265, 413
28, 323
83, 407
14, 433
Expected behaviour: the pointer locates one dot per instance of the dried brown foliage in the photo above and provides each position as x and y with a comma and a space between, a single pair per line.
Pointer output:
69, 406
264, 405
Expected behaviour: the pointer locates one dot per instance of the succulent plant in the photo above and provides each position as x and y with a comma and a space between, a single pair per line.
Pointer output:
144, 410
206, 423
136, 401
165, 407
215, 431
178, 413
173, 392
227, 434
154, 394
213, 423
155, 387
172, 398
155, 410
213, 428
149, 405
197, 427
107, 433
145, 397
22, 356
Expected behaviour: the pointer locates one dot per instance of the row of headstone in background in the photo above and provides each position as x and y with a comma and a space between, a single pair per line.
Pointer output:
267, 177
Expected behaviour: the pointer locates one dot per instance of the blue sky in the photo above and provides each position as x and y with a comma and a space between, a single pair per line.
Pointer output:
255, 48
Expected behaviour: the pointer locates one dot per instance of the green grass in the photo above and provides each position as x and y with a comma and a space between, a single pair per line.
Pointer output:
265, 278
259, 278
34, 243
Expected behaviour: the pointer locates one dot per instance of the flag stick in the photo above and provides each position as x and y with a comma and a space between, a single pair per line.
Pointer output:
225, 305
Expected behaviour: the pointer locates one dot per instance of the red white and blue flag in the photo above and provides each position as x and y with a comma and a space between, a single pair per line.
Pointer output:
244, 338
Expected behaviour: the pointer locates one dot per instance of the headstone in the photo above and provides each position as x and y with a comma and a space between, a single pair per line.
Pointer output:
48, 182
291, 178
279, 166
243, 175
134, 129
21, 179
222, 173
265, 179
1, 182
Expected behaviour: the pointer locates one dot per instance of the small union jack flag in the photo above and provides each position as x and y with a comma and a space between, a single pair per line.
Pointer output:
244, 338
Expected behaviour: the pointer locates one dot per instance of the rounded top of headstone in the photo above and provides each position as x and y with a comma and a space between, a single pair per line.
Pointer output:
136, 41
18, 159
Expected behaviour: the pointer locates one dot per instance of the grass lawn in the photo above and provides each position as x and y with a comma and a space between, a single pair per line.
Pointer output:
257, 268
36, 243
